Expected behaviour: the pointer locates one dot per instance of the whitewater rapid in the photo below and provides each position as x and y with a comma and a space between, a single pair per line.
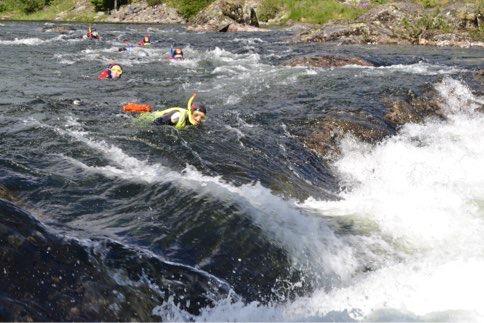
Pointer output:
401, 240
416, 201
423, 191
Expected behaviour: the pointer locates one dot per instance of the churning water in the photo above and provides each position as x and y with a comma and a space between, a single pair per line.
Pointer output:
387, 231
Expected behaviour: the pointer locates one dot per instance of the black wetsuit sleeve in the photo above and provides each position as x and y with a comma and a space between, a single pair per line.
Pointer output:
165, 119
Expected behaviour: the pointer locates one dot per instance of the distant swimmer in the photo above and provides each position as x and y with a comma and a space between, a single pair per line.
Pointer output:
193, 115
92, 33
127, 47
176, 53
146, 41
113, 71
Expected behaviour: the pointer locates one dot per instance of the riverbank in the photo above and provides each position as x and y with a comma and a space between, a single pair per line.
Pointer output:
422, 22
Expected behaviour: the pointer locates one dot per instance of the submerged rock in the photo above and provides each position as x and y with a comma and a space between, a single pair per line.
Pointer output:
326, 134
6, 194
227, 16
46, 277
62, 29
327, 61
413, 108
479, 76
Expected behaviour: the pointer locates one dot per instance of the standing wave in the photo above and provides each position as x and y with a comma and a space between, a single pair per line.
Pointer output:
422, 192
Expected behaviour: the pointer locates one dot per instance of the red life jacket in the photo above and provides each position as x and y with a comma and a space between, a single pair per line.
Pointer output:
105, 74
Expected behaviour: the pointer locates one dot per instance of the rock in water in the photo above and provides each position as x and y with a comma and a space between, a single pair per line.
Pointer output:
326, 133
46, 277
327, 61
413, 108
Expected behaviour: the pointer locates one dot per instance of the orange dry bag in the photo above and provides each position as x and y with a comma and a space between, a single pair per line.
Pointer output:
137, 107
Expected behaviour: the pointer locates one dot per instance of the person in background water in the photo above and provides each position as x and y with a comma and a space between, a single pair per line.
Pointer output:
127, 47
92, 33
146, 41
193, 115
113, 71
176, 53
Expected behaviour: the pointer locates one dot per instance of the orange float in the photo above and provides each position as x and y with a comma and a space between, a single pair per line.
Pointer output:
137, 107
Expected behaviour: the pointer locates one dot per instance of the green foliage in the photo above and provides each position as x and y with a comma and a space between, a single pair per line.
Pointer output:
189, 8
429, 3
379, 1
31, 6
104, 5
425, 23
154, 2
23, 6
268, 9
312, 11
477, 34
321, 11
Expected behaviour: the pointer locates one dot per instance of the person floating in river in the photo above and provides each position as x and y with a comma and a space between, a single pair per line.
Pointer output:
193, 115
127, 47
92, 33
113, 71
146, 41
176, 53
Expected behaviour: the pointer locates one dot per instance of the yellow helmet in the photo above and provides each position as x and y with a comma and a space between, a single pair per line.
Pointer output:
117, 69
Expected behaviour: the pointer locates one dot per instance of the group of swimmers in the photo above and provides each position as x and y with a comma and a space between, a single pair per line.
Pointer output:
177, 117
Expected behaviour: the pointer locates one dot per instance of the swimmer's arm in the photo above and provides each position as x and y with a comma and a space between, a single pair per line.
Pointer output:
190, 101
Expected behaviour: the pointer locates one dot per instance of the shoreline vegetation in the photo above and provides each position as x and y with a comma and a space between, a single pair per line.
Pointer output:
423, 22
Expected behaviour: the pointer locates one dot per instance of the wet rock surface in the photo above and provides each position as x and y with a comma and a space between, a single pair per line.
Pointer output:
65, 279
62, 29
414, 108
326, 134
326, 61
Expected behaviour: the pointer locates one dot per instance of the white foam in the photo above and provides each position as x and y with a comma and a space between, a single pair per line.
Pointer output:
424, 189
249, 41
423, 192
232, 70
23, 41
418, 68
31, 41
133, 56
310, 243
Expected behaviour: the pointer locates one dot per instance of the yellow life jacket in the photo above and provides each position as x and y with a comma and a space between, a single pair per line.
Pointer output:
186, 118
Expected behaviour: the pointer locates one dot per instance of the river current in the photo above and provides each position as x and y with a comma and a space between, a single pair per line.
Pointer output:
387, 231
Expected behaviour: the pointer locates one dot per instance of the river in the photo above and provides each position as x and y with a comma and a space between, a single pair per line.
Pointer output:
237, 219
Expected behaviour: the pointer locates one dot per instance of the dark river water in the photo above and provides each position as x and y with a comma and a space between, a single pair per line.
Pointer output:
237, 219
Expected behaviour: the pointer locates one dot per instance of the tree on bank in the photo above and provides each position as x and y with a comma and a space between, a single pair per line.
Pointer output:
105, 5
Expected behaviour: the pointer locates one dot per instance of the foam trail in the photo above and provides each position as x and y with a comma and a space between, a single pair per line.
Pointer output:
310, 243
420, 68
23, 41
31, 41
230, 70
423, 190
